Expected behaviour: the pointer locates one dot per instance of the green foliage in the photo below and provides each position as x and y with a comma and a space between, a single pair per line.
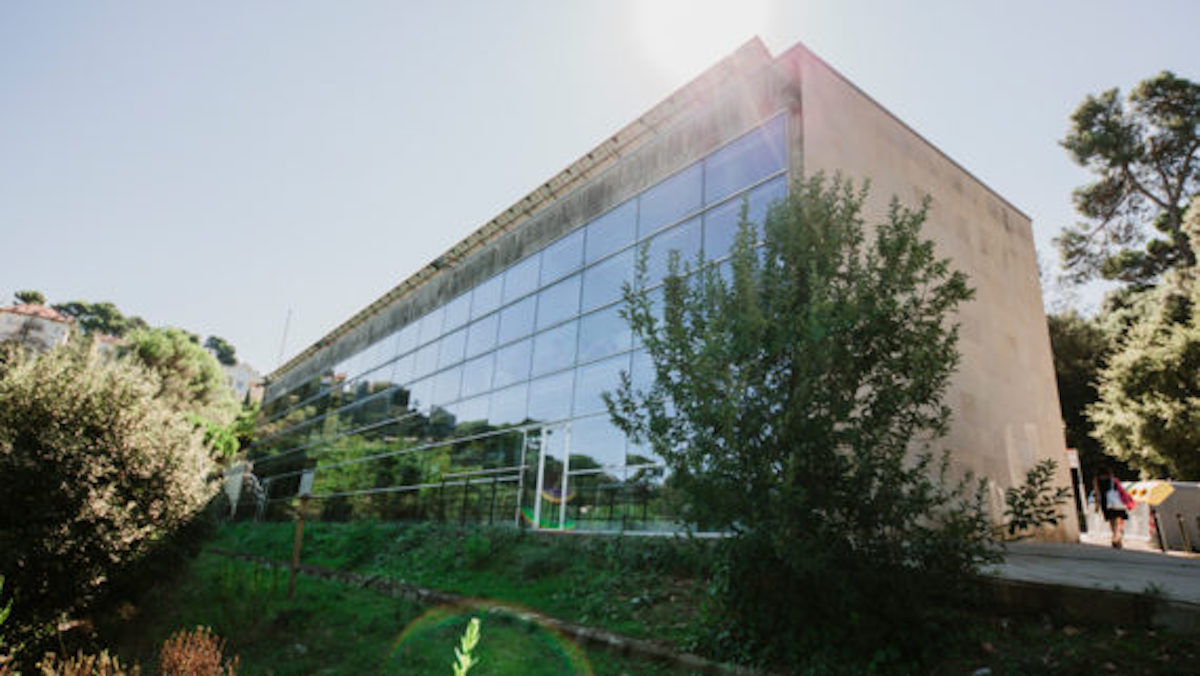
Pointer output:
463, 661
476, 550
102, 318
1148, 412
224, 351
190, 379
795, 403
1035, 503
97, 471
1148, 168
30, 297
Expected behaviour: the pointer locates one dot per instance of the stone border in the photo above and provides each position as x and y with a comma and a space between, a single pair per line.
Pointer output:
587, 636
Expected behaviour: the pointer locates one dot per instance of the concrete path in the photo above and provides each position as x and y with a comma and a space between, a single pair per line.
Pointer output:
1174, 577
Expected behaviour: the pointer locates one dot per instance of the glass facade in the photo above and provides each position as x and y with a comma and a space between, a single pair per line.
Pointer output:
490, 408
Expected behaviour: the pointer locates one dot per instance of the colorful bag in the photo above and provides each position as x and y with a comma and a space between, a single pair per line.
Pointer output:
1123, 495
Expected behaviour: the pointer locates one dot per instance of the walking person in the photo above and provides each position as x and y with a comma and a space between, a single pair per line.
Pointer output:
1113, 501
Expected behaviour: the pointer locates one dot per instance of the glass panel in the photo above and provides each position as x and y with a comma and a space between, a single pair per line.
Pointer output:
641, 454
445, 386
508, 406
517, 320
761, 199
402, 369
562, 257
596, 379
603, 333
473, 410
558, 302
596, 442
512, 363
426, 360
477, 374
642, 373
421, 395
521, 279
451, 351
612, 231
431, 325
602, 282
750, 158
684, 238
458, 311
670, 200
486, 296
720, 228
406, 338
554, 349
550, 397
481, 335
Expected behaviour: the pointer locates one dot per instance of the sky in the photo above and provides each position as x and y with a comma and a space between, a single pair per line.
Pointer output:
261, 171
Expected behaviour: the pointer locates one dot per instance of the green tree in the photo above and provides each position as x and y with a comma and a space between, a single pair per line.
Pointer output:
104, 318
30, 297
224, 351
190, 379
97, 471
1081, 346
795, 401
1148, 412
1148, 167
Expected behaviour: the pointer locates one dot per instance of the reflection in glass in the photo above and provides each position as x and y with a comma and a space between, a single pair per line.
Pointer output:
684, 239
554, 349
517, 320
550, 397
612, 231
521, 279
558, 302
472, 410
431, 325
458, 311
446, 384
406, 338
508, 406
602, 333
481, 335
486, 296
562, 257
596, 442
512, 363
477, 375
596, 379
747, 160
426, 360
602, 282
670, 200
452, 345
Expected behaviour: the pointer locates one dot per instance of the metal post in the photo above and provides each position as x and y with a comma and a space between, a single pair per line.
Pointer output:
297, 543
492, 506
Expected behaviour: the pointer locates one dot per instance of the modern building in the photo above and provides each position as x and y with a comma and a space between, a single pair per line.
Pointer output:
472, 390
36, 326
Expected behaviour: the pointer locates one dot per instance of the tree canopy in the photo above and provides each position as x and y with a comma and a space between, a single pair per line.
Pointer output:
30, 297
1145, 156
224, 351
789, 389
190, 379
103, 318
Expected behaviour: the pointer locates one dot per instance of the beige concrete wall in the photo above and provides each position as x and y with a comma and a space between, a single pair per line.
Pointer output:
1004, 396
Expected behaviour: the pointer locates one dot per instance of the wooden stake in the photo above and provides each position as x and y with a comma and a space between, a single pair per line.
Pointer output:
296, 545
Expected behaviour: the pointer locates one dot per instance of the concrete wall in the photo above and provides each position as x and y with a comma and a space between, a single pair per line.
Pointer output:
1004, 396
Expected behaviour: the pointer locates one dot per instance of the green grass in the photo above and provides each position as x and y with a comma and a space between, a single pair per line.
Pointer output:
653, 588
330, 628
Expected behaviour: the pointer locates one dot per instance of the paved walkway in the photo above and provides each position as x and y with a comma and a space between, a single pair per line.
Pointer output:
1176, 577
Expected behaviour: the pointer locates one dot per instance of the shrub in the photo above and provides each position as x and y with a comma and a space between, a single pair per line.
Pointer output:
97, 472
198, 652
1036, 502
85, 665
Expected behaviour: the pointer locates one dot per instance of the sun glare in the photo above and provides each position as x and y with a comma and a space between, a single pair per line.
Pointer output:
683, 37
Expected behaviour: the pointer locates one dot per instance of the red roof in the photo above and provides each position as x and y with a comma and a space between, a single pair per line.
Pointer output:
40, 311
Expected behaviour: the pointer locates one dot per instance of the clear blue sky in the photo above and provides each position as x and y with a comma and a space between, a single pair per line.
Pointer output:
213, 165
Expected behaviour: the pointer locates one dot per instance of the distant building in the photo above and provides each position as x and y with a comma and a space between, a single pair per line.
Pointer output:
39, 327
244, 380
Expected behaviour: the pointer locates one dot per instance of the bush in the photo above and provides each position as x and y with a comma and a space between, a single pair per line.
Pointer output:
98, 472
198, 652
796, 397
